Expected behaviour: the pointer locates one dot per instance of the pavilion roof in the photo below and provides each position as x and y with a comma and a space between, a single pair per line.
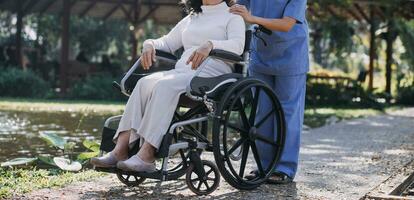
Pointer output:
167, 11
162, 11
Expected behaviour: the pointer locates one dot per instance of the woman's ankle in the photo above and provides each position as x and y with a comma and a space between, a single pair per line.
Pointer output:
146, 157
120, 156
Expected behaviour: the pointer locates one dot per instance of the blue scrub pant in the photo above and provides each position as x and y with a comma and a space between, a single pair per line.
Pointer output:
290, 91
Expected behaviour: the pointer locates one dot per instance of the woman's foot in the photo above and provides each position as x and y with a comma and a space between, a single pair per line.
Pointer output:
107, 161
136, 164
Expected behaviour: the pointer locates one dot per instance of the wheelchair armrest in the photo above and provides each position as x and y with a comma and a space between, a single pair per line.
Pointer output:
165, 55
134, 73
226, 56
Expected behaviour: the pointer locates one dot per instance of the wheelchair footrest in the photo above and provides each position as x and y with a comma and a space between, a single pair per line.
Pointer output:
152, 175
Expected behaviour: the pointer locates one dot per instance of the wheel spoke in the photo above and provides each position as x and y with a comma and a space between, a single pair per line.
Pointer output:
244, 118
252, 116
260, 123
235, 146
266, 139
195, 179
210, 179
209, 172
127, 178
199, 185
236, 127
206, 184
245, 154
257, 158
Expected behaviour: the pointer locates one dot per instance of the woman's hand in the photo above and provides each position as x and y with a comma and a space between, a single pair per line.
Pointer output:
148, 55
243, 12
200, 55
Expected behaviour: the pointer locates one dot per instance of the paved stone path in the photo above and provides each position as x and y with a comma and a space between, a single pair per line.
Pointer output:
340, 161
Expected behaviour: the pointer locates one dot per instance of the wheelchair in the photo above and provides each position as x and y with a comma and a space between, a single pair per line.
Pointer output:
215, 114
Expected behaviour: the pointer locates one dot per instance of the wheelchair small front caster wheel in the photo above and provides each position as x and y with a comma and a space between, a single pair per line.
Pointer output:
130, 180
203, 185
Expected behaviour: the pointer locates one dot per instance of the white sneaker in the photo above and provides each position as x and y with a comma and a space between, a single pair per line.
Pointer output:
136, 164
106, 161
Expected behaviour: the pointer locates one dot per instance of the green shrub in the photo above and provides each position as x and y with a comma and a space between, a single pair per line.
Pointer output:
406, 95
330, 92
15, 82
97, 87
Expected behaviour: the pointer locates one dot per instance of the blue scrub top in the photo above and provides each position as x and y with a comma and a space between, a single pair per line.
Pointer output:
286, 53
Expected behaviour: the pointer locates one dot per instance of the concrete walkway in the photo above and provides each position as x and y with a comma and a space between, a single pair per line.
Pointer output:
340, 161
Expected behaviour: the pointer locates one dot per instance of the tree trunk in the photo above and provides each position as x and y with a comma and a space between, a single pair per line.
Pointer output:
64, 62
390, 38
19, 27
372, 51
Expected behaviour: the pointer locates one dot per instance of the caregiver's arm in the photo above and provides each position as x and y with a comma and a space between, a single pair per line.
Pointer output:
168, 43
284, 24
294, 12
234, 43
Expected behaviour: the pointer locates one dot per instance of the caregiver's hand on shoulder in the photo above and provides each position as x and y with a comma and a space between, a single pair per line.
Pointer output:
241, 10
200, 55
148, 55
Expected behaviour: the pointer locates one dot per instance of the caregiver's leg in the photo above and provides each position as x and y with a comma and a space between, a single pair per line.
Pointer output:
267, 128
291, 93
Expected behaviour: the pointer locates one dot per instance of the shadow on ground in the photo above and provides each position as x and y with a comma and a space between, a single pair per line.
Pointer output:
178, 190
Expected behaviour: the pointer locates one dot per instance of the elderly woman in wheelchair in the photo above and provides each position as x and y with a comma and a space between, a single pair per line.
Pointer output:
151, 106
213, 42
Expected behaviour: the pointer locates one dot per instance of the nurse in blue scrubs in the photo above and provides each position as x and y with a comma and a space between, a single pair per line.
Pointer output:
282, 63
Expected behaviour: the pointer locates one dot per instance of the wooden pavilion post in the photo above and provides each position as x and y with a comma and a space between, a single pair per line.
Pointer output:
135, 23
390, 37
64, 62
19, 28
372, 49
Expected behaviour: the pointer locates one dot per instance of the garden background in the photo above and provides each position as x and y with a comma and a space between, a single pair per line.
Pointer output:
59, 58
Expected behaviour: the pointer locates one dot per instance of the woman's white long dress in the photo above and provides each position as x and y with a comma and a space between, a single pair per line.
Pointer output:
152, 104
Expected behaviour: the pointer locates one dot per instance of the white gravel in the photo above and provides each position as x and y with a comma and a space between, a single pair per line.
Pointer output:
339, 161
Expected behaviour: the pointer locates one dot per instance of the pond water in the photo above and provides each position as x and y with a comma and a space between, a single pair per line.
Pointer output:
19, 131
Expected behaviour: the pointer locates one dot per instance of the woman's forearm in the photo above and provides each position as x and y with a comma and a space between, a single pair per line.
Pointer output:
284, 24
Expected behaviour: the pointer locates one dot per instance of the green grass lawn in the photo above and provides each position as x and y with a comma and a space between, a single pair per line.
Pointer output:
60, 105
16, 182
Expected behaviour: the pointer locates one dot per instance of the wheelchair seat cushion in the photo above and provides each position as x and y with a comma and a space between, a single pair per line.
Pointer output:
212, 86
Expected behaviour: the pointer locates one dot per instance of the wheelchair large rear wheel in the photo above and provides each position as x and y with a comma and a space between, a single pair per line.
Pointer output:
241, 139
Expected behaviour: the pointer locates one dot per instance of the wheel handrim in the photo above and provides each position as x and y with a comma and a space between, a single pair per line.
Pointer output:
249, 134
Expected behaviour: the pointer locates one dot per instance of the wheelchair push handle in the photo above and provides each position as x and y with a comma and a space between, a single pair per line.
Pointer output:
263, 29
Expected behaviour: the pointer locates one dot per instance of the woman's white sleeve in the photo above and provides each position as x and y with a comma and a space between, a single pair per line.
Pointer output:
173, 40
236, 29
